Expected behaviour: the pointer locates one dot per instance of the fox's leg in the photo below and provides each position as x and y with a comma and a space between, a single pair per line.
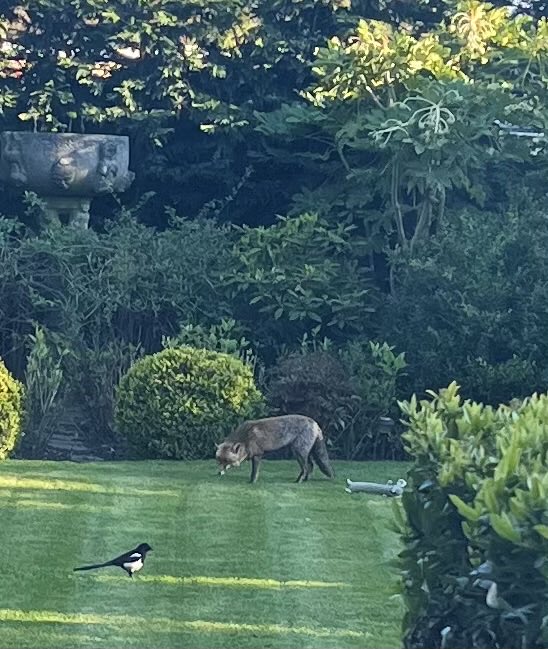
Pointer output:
255, 461
302, 447
303, 463
310, 466
303, 477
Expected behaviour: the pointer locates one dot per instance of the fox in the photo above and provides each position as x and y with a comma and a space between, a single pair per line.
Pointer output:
253, 438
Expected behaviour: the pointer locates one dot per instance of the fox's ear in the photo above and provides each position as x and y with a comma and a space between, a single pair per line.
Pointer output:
217, 446
236, 448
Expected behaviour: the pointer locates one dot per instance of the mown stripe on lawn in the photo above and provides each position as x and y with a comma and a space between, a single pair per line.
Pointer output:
7, 501
8, 481
26, 536
121, 524
243, 582
168, 625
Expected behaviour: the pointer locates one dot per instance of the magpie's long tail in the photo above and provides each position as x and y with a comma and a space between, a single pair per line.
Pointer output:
96, 565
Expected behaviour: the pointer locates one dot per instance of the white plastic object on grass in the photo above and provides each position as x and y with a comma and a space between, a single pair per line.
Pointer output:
388, 489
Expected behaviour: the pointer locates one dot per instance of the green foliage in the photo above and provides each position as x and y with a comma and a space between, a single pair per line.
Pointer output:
413, 116
397, 119
179, 402
471, 305
102, 296
376, 373
224, 338
298, 276
474, 563
318, 385
95, 374
346, 391
131, 283
45, 393
11, 411
496, 382
70, 64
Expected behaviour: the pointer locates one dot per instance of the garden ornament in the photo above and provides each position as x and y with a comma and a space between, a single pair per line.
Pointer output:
66, 170
388, 489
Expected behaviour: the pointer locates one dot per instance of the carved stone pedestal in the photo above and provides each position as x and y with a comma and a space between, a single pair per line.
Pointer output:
67, 170
72, 210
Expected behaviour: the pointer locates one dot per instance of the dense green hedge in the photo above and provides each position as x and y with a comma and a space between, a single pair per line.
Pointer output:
179, 402
471, 305
475, 563
11, 411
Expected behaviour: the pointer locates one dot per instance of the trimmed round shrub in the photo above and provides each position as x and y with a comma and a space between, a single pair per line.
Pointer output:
11, 411
179, 402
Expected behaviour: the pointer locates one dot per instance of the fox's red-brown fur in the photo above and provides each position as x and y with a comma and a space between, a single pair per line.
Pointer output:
252, 439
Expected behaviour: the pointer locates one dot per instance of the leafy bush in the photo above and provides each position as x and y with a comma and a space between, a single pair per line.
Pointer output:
95, 375
223, 337
179, 402
495, 383
477, 290
376, 373
476, 534
111, 72
315, 384
298, 276
11, 411
130, 283
345, 391
45, 393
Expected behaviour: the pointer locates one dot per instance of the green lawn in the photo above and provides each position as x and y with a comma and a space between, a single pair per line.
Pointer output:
234, 565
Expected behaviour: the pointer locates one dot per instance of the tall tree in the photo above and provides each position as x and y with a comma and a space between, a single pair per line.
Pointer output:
398, 123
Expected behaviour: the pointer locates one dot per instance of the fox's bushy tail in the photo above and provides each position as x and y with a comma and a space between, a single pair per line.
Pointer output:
320, 456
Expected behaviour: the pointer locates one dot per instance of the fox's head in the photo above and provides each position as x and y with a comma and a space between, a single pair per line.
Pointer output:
229, 454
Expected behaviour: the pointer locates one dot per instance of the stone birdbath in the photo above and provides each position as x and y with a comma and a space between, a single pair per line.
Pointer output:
67, 170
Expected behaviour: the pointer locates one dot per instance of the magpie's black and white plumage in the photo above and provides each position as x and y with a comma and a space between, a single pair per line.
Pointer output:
131, 561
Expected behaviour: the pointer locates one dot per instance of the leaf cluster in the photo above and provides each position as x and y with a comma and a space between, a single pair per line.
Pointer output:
11, 411
476, 534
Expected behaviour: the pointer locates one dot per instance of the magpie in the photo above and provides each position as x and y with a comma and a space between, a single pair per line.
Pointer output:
131, 561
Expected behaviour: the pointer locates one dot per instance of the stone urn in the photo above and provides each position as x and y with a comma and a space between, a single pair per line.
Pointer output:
65, 169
